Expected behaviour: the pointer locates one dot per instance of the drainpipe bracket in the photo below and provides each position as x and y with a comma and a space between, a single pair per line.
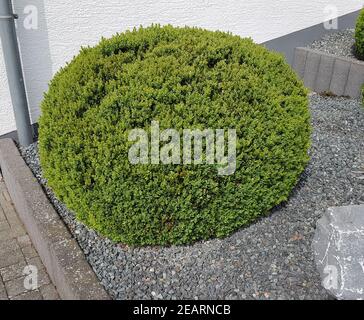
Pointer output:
14, 16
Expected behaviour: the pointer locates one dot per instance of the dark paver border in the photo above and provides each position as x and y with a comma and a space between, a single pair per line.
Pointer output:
58, 250
323, 72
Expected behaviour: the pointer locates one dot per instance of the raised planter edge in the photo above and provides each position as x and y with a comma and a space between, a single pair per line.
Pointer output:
328, 73
60, 253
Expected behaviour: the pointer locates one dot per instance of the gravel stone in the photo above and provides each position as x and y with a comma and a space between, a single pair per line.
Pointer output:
271, 259
341, 43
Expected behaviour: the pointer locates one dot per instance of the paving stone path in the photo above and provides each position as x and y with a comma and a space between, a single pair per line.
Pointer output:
20, 264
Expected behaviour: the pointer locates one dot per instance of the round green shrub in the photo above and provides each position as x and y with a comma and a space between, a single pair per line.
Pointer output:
185, 78
359, 35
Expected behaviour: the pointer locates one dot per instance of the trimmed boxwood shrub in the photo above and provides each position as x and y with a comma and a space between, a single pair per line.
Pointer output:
359, 35
184, 78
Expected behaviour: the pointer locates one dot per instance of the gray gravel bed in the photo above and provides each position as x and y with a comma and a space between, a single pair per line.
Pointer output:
341, 43
271, 259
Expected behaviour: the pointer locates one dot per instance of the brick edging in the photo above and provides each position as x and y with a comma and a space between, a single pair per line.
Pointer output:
323, 72
58, 250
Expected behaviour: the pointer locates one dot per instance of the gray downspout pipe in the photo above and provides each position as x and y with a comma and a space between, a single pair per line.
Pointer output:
15, 73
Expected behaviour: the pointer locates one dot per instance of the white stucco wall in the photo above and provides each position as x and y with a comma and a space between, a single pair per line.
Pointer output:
65, 26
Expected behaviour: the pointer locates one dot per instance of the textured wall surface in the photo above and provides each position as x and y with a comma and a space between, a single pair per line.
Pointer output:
65, 26
7, 122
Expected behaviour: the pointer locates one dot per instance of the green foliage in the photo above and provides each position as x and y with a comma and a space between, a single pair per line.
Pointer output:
359, 35
359, 40
184, 78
